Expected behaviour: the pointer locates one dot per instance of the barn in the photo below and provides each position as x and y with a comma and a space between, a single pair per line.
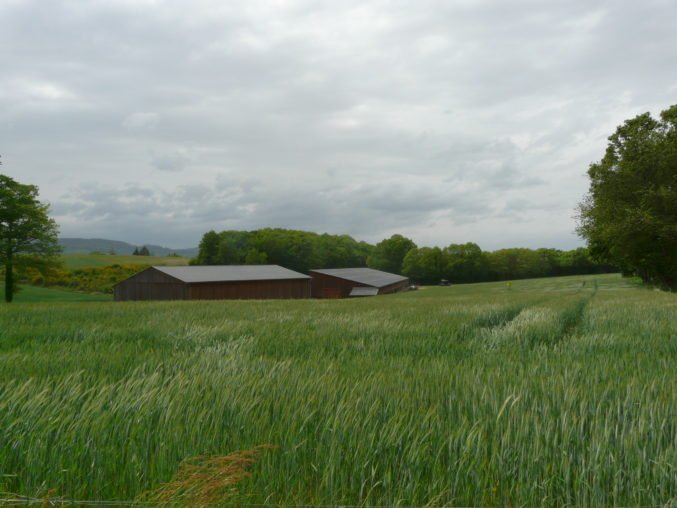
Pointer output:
213, 283
344, 282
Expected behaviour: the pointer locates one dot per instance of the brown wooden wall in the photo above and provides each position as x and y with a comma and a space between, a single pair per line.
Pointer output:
250, 290
327, 286
150, 284
394, 288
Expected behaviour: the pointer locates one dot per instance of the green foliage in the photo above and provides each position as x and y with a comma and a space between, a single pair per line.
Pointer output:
92, 279
388, 255
255, 257
28, 237
143, 251
518, 263
466, 263
98, 279
297, 250
209, 249
90, 272
91, 260
425, 264
463, 263
554, 393
459, 263
629, 216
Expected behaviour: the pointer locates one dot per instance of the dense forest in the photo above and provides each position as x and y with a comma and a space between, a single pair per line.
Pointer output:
458, 263
296, 250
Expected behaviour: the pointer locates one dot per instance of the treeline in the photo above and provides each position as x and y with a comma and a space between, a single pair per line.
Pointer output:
302, 251
143, 251
458, 263
296, 250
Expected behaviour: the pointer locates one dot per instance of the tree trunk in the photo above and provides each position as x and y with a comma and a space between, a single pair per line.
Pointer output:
9, 280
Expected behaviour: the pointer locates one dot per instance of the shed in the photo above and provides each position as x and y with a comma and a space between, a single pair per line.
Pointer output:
213, 283
344, 282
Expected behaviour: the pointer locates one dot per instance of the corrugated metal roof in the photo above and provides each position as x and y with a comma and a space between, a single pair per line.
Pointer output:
360, 291
229, 273
368, 276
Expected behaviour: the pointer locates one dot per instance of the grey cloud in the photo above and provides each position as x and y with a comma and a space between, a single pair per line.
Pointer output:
174, 161
508, 176
356, 117
191, 210
141, 120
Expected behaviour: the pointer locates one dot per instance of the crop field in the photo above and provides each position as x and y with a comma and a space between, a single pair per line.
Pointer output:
546, 392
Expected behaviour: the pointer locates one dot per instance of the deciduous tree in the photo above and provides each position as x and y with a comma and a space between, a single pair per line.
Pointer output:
629, 216
427, 265
388, 254
28, 236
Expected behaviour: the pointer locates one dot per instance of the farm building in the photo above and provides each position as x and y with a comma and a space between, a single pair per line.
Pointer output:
213, 283
344, 282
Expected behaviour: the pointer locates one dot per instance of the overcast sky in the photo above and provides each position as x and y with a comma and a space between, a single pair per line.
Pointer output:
446, 121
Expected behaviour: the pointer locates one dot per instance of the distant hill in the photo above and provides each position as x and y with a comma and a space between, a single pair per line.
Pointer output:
85, 245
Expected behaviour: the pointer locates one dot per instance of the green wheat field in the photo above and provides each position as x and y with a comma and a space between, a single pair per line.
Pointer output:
547, 392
